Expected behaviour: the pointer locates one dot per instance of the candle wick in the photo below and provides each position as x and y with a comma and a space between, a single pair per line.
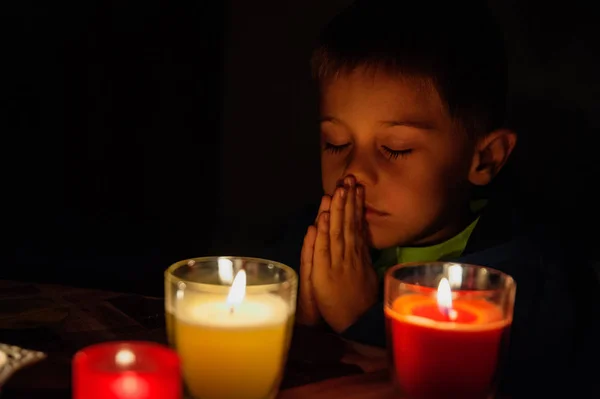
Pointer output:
446, 312
449, 313
231, 310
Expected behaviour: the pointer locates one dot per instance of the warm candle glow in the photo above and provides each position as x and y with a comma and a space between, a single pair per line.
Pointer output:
444, 299
455, 276
448, 329
125, 358
126, 370
237, 292
225, 270
233, 327
130, 386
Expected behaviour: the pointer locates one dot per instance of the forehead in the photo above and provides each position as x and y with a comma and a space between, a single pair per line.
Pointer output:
381, 96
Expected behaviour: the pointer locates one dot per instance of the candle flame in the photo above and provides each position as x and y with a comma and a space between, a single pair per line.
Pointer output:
444, 299
237, 292
225, 270
125, 357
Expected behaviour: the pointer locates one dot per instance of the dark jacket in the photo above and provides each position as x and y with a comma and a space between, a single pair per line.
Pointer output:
554, 335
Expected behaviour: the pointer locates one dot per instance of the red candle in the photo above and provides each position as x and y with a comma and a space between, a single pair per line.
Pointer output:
126, 370
445, 348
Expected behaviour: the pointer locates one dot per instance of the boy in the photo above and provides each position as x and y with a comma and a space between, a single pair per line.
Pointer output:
412, 103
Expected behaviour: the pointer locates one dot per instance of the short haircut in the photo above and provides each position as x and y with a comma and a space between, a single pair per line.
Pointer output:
456, 46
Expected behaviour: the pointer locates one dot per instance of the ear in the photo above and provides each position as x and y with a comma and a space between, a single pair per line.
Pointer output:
491, 154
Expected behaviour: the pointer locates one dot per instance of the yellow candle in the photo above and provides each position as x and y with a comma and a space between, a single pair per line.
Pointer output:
234, 348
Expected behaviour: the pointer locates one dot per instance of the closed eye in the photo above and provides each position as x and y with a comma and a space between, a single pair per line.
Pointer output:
394, 154
336, 149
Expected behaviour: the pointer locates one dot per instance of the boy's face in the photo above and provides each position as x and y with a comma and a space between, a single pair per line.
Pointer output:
395, 136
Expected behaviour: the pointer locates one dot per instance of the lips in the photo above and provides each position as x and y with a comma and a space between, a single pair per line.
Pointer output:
372, 211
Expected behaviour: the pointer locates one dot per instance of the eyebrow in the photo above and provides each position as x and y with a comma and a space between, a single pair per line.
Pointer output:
421, 125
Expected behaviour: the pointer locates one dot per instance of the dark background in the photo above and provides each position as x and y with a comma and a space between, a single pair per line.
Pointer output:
138, 133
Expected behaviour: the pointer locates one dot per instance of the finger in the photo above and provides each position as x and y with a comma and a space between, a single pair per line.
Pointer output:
336, 227
349, 217
324, 207
306, 257
306, 312
360, 209
322, 253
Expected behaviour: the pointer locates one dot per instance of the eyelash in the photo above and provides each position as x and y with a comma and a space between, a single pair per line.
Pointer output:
394, 154
391, 154
335, 149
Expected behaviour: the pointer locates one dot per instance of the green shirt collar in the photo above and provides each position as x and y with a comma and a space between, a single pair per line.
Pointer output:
449, 249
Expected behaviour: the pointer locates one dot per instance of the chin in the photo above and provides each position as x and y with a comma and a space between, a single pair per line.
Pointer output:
380, 240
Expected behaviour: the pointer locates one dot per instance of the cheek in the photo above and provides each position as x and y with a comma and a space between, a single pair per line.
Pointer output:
456, 161
444, 166
453, 178
419, 185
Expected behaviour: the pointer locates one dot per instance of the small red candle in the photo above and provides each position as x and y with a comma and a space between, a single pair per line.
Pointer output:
445, 344
126, 370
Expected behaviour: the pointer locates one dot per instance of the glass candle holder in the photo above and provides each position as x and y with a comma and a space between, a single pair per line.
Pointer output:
126, 370
448, 326
230, 319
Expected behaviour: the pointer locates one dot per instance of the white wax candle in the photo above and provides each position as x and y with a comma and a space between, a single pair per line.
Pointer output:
256, 310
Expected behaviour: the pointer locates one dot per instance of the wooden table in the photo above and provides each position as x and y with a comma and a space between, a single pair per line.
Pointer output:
374, 385
60, 320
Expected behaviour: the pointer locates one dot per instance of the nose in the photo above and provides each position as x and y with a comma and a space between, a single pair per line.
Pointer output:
362, 166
